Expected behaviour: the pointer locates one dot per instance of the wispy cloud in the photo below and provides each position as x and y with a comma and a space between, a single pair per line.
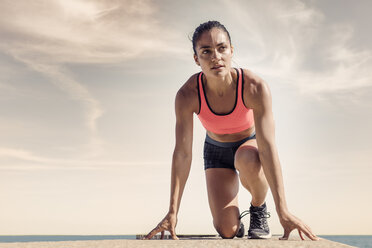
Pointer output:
296, 43
291, 41
26, 160
22, 154
74, 89
46, 35
82, 31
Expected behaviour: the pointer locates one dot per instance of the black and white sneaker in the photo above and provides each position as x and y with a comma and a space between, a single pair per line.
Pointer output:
258, 227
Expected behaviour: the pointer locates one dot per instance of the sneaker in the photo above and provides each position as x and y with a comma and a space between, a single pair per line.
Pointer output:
258, 227
240, 233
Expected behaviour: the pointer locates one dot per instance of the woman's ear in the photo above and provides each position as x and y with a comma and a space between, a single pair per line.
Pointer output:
196, 60
232, 49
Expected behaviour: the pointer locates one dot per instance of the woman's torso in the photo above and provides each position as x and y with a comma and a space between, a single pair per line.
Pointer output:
221, 104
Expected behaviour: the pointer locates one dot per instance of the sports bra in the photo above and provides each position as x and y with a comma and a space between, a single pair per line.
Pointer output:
238, 119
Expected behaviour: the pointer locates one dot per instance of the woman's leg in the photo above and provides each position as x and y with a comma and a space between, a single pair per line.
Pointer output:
251, 173
223, 187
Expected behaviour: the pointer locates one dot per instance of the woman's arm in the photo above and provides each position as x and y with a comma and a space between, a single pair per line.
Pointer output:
181, 163
182, 154
265, 136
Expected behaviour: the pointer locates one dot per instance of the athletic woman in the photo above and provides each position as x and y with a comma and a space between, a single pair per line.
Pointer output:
234, 106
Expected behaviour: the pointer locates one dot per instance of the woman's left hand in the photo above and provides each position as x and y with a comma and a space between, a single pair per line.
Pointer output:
291, 222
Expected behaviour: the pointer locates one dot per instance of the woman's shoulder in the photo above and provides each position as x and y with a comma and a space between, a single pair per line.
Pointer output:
252, 79
189, 89
187, 94
253, 82
255, 88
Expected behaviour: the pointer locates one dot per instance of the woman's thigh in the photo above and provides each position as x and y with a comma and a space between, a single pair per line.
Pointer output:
223, 187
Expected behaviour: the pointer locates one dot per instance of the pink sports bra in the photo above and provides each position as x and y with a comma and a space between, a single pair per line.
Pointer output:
238, 119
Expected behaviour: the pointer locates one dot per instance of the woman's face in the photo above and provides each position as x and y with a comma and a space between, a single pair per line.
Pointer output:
214, 53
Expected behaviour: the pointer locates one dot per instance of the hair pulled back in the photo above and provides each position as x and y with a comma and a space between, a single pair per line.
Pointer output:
206, 26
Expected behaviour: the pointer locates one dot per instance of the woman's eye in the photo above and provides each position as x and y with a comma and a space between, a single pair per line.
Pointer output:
205, 51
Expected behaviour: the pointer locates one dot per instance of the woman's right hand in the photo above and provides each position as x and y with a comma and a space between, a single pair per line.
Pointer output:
167, 224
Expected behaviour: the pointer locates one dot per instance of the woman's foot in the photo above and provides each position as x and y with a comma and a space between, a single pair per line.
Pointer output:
258, 227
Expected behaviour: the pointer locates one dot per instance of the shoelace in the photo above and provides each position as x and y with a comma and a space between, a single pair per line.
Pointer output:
258, 221
244, 213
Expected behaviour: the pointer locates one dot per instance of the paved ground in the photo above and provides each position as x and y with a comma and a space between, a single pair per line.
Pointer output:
207, 242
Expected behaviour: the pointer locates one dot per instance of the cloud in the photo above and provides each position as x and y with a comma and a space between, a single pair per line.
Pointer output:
30, 161
75, 90
80, 31
288, 41
295, 43
66, 83
47, 35
21, 154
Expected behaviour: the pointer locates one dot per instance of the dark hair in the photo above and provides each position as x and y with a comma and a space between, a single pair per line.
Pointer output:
206, 26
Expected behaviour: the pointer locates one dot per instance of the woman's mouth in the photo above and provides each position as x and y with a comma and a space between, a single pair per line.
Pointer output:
217, 67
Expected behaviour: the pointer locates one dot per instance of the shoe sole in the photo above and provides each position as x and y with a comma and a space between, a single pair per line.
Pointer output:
267, 236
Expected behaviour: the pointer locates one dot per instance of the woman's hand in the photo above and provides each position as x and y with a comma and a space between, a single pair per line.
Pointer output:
291, 222
167, 224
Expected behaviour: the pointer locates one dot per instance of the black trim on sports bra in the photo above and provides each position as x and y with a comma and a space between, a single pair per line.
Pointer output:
243, 86
236, 95
197, 83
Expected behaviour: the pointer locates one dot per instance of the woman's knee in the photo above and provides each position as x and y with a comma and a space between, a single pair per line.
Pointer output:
227, 231
247, 159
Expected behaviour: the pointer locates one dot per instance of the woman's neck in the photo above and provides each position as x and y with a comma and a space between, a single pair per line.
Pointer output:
219, 85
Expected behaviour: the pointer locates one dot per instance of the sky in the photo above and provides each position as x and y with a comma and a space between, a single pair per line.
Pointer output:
87, 120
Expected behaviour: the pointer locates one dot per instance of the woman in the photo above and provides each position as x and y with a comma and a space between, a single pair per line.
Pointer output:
234, 106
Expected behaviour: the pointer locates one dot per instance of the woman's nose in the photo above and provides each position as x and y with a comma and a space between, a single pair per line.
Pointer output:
216, 55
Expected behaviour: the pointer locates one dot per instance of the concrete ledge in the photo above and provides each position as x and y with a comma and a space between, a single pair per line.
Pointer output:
207, 242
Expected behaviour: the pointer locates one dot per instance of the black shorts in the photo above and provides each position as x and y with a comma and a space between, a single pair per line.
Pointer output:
221, 154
